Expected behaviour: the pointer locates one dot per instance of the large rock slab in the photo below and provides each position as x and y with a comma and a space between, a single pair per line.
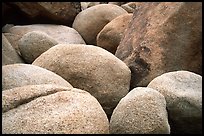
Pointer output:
51, 109
61, 33
16, 75
110, 36
90, 21
9, 54
89, 68
141, 111
162, 37
183, 93
34, 43
61, 12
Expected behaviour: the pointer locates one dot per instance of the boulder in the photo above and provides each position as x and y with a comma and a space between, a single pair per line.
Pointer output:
52, 12
9, 54
61, 33
85, 5
117, 3
91, 21
183, 93
130, 7
13, 39
89, 68
110, 36
162, 37
16, 75
34, 43
6, 27
141, 111
52, 109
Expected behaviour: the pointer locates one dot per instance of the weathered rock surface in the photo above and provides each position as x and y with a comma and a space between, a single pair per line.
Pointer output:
9, 54
130, 7
13, 39
110, 36
85, 5
56, 12
34, 43
183, 93
16, 75
162, 37
141, 111
61, 33
89, 68
91, 21
51, 109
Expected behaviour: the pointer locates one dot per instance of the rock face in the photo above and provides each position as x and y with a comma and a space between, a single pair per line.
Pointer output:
91, 21
110, 36
162, 37
55, 12
183, 94
17, 75
9, 54
85, 5
13, 39
141, 111
89, 68
34, 43
130, 7
62, 34
52, 109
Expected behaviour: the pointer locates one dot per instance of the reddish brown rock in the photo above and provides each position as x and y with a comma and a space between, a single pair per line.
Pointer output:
111, 35
61, 12
163, 37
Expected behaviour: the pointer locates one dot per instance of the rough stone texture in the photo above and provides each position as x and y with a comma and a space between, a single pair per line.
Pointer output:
56, 12
130, 7
162, 37
89, 68
183, 93
9, 54
91, 21
62, 34
110, 36
34, 43
6, 27
141, 111
85, 5
17, 75
50, 109
13, 39
117, 3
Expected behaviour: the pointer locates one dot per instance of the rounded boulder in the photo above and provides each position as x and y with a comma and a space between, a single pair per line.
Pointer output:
89, 68
91, 21
16, 75
52, 109
141, 111
34, 43
110, 36
183, 93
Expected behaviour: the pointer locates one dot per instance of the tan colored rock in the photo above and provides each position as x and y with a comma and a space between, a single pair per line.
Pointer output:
183, 93
162, 37
85, 5
17, 75
89, 68
52, 109
61, 33
117, 3
34, 43
91, 21
141, 111
13, 39
110, 36
61, 12
9, 54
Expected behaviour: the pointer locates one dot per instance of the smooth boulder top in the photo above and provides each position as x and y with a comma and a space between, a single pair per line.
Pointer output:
141, 111
16, 75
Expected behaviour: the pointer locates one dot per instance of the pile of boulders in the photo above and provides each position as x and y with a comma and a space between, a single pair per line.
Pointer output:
102, 68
